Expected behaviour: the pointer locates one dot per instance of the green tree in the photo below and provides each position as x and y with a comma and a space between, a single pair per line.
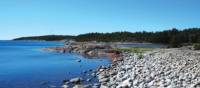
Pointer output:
175, 42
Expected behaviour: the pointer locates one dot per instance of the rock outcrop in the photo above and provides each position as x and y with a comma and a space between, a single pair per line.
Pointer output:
90, 49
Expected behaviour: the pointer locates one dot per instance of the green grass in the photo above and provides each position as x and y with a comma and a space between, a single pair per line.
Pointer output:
196, 46
134, 50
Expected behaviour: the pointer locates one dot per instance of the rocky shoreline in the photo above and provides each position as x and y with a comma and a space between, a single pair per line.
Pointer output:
162, 68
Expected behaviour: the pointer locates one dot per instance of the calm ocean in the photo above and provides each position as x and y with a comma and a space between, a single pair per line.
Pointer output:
24, 65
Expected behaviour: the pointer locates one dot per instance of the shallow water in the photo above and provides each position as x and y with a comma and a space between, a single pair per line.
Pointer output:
24, 65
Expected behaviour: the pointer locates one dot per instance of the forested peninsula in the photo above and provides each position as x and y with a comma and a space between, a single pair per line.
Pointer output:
174, 37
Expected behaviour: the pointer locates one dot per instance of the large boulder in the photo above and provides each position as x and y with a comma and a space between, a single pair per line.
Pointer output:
76, 80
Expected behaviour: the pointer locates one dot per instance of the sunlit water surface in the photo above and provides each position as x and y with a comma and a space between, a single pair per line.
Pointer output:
24, 65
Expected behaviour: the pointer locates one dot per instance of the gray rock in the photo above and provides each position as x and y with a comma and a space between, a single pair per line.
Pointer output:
101, 70
65, 86
76, 80
65, 81
97, 84
104, 80
93, 74
197, 85
89, 79
113, 73
79, 86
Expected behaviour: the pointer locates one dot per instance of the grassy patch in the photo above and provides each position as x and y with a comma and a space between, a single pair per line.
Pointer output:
134, 50
196, 46
140, 55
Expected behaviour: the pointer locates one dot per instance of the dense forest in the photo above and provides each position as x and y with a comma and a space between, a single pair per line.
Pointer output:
173, 37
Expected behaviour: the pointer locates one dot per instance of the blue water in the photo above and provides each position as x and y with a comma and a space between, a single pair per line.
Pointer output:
24, 65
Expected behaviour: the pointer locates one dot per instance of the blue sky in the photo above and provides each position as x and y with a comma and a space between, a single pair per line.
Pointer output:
71, 17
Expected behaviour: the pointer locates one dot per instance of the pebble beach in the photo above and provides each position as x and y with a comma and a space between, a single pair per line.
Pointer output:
161, 68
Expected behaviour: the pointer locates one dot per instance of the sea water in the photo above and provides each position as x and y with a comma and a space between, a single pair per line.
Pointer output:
23, 64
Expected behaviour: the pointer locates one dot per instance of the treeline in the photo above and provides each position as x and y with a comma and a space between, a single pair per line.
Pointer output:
47, 37
173, 37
